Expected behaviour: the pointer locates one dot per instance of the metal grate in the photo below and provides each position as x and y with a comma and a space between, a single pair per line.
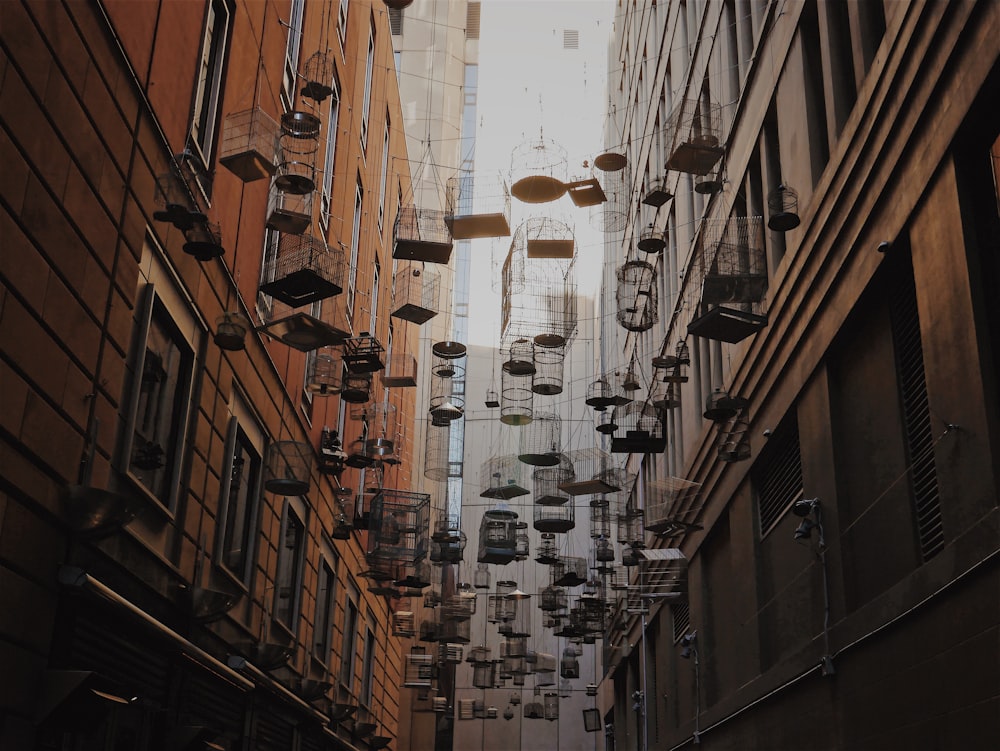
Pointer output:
680, 617
905, 321
777, 475
571, 39
472, 13
396, 21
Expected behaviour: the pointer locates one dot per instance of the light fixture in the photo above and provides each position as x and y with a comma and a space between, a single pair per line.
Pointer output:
811, 513
689, 645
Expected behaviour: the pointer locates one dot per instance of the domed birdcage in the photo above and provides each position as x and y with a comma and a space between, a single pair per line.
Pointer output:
477, 206
641, 430
548, 379
783, 209
519, 357
548, 237
538, 171
637, 296
325, 372
497, 535
614, 173
298, 143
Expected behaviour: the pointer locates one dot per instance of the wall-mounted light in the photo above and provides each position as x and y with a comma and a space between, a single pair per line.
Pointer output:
689, 645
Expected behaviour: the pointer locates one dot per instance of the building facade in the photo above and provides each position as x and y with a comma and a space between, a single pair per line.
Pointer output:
822, 181
199, 215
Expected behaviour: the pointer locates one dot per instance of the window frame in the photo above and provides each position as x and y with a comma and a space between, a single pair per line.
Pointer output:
352, 274
289, 572
206, 105
326, 604
330, 155
241, 424
366, 103
349, 638
293, 49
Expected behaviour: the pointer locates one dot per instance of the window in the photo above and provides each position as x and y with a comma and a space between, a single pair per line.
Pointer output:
208, 87
385, 176
396, 21
240, 492
342, 23
348, 650
376, 273
352, 274
291, 549
330, 155
369, 669
269, 257
292, 54
777, 474
326, 590
366, 105
163, 367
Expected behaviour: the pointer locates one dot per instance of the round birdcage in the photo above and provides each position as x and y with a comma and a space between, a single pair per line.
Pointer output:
637, 296
548, 363
783, 206
615, 176
520, 358
541, 440
516, 398
325, 373
317, 74
538, 171
287, 468
547, 481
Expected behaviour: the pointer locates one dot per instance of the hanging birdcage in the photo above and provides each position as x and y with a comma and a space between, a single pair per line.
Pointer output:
343, 517
420, 669
448, 541
657, 192
604, 549
416, 293
437, 454
630, 528
616, 578
481, 579
459, 606
447, 397
667, 502
516, 399
230, 331
398, 525
664, 395
694, 137
615, 176
569, 665
599, 394
541, 440
519, 358
484, 674
546, 237
641, 430
572, 573
203, 240
588, 615
303, 271
331, 455
503, 473
420, 234
324, 375
449, 653
538, 299
783, 209
517, 626
600, 519
414, 576
734, 441
591, 472
548, 361
477, 206
356, 388
287, 468
290, 213
553, 599
538, 171
546, 485
651, 240
380, 441
317, 75
721, 407
400, 371
249, 144
637, 296
404, 624
729, 274
497, 535
298, 143
548, 551
456, 631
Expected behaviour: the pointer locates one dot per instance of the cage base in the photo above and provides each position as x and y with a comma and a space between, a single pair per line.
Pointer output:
300, 288
726, 325
550, 459
657, 197
505, 492
289, 222
413, 313
476, 226
538, 189
555, 525
638, 442
697, 156
550, 248
594, 486
496, 555
249, 166
739, 288
422, 250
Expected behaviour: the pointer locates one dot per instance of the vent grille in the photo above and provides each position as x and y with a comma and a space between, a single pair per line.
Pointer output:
916, 415
680, 616
778, 475
396, 21
571, 39
472, 11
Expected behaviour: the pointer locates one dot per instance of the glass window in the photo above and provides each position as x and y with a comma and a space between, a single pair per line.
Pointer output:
326, 589
385, 176
329, 158
348, 650
241, 488
352, 280
292, 53
369, 674
342, 23
288, 580
208, 87
366, 105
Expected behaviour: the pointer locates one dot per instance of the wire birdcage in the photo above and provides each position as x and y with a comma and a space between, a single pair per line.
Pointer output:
416, 293
553, 599
538, 296
317, 75
290, 213
729, 277
570, 571
325, 372
637, 308
304, 271
404, 624
547, 483
477, 206
383, 427
694, 137
287, 467
398, 525
438, 465
600, 519
651, 240
516, 398
420, 234
400, 370
666, 503
447, 390
538, 170
548, 379
298, 143
548, 551
641, 430
734, 441
541, 440
420, 670
519, 357
484, 674
615, 176
630, 528
502, 476
547, 237
783, 209
249, 144
448, 548
497, 535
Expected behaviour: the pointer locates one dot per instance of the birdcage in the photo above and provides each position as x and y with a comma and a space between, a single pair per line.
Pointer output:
588, 615
447, 387
497, 535
456, 631
599, 394
552, 599
356, 388
617, 477
516, 399
383, 428
429, 630
460, 606
398, 525
664, 395
317, 75
538, 297
604, 549
517, 627
324, 373
729, 273
783, 209
570, 571
416, 293
203, 240
615, 176
484, 674
465, 710
637, 296
249, 144
541, 440
538, 171
630, 528
503, 475
400, 370
569, 665
734, 441
657, 192
404, 624
616, 578
547, 237
287, 467
546, 482
298, 142
437, 454
548, 550
449, 653
479, 654
343, 516
290, 213
635, 603
591, 472
481, 579
641, 430
303, 271
448, 541
600, 519
477, 206
519, 357
548, 379
522, 544
420, 669
420, 234
651, 240
414, 576
694, 137
666, 503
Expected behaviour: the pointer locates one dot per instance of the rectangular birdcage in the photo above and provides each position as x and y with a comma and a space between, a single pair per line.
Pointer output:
400, 371
667, 503
477, 206
421, 235
635, 603
694, 137
398, 525
500, 478
420, 670
290, 213
249, 144
404, 624
616, 578
641, 430
416, 293
590, 473
572, 572
729, 277
304, 271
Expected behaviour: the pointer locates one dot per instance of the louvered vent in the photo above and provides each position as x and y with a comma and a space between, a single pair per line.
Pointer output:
680, 616
396, 21
571, 39
472, 20
777, 475
916, 414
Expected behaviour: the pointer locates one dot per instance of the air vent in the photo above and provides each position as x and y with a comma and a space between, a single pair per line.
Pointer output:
472, 20
571, 39
777, 475
396, 21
